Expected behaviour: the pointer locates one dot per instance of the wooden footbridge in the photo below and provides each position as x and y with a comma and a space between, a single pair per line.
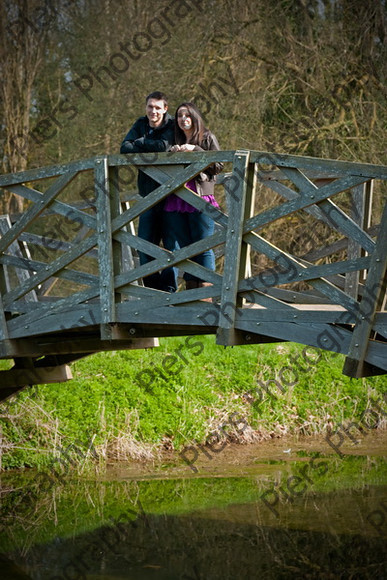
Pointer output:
71, 285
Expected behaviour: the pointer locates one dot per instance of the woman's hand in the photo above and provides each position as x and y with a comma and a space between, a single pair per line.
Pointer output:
187, 147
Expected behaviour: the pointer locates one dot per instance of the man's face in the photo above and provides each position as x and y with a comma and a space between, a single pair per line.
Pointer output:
155, 111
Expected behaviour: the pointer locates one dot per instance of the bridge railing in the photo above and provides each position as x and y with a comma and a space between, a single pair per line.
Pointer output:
76, 244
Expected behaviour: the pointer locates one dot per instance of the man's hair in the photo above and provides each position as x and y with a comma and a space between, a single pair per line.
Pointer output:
159, 96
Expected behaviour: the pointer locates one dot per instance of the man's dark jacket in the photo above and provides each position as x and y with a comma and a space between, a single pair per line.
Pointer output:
145, 139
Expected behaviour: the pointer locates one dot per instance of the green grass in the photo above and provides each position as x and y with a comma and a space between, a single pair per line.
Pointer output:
189, 387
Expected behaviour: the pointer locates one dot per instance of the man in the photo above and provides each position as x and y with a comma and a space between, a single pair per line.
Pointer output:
153, 132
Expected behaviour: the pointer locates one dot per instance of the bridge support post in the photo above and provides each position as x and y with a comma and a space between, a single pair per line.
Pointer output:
106, 207
372, 300
28, 371
361, 199
241, 193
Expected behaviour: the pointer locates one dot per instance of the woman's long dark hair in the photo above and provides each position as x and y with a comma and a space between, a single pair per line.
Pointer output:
198, 126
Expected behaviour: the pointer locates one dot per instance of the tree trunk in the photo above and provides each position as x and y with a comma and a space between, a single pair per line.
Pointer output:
23, 29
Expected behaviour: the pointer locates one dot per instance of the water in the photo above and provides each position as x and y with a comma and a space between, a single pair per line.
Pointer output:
285, 509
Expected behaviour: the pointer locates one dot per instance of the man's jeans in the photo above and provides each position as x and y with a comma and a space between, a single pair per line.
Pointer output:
152, 228
187, 228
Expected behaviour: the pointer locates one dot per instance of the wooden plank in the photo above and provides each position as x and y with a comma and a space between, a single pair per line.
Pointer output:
263, 298
169, 158
194, 315
199, 271
239, 200
69, 211
147, 301
374, 295
325, 336
57, 316
352, 279
3, 321
139, 244
245, 258
289, 194
73, 346
48, 285
3, 318
45, 172
128, 260
19, 377
79, 318
324, 251
317, 315
278, 175
302, 202
186, 318
309, 334
60, 245
115, 210
275, 277
335, 217
14, 249
52, 269
35, 210
198, 315
367, 215
105, 247
334, 167
379, 328
161, 174
183, 315
186, 265
173, 260
153, 298
260, 244
34, 266
315, 164
346, 225
306, 297
61, 305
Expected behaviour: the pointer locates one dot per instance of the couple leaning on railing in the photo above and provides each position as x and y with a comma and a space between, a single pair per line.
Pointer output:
174, 221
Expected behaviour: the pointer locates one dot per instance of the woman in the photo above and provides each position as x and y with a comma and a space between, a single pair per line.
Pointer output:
184, 223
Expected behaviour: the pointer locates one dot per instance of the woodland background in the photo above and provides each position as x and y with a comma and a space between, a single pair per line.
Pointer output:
290, 76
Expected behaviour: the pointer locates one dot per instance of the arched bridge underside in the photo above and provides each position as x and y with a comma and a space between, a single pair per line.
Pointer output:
300, 245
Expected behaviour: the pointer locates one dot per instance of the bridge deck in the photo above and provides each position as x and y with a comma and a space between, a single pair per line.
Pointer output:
70, 283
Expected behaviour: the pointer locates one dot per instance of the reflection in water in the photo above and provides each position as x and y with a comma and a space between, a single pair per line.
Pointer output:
201, 528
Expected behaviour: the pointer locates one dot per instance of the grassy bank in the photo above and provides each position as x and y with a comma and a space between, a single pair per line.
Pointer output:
137, 404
